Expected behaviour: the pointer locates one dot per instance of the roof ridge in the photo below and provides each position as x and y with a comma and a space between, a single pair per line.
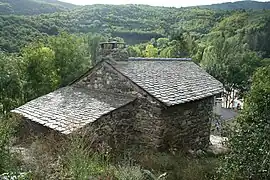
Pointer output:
158, 59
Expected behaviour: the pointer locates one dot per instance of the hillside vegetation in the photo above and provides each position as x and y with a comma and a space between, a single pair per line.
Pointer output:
32, 7
135, 23
247, 5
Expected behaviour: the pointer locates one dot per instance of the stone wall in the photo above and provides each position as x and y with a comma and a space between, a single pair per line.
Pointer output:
104, 78
136, 125
144, 125
117, 54
29, 131
187, 126
114, 131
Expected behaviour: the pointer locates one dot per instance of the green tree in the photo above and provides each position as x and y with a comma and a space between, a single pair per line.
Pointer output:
231, 63
93, 47
10, 82
40, 71
250, 143
169, 52
162, 43
70, 56
150, 51
134, 51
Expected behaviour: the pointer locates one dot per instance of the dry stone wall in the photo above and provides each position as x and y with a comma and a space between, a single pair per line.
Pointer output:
105, 79
187, 126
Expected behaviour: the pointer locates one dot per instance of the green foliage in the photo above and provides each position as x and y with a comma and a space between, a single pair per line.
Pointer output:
150, 51
129, 172
10, 82
230, 62
135, 23
7, 162
70, 57
179, 45
82, 163
42, 67
93, 46
179, 166
39, 69
134, 51
249, 157
240, 5
32, 7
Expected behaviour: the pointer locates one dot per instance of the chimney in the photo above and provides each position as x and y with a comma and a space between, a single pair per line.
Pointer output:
114, 50
218, 105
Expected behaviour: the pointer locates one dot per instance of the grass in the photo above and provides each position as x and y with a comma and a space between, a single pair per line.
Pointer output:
54, 158
180, 166
8, 160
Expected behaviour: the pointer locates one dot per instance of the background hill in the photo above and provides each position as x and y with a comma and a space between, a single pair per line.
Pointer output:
134, 23
32, 7
255, 5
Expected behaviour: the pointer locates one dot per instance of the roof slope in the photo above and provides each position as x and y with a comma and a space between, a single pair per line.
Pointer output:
172, 81
70, 108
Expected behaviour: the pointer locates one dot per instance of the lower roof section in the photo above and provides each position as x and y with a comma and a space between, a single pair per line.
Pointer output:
70, 108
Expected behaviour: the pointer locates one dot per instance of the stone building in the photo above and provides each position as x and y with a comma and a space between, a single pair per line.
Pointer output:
157, 103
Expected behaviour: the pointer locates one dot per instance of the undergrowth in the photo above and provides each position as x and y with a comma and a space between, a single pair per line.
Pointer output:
73, 160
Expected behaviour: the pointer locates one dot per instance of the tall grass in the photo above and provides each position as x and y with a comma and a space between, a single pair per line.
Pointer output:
7, 158
73, 159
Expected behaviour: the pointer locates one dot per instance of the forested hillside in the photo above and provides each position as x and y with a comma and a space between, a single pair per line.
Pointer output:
135, 23
247, 5
32, 7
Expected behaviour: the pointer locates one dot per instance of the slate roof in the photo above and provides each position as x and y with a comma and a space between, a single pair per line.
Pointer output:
171, 80
70, 108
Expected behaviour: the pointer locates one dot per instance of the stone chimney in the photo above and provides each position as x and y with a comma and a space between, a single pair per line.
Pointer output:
114, 50
217, 107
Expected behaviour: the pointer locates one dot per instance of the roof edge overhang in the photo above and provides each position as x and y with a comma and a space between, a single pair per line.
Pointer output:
196, 99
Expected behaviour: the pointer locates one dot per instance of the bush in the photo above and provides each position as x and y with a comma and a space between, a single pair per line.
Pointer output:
74, 160
180, 166
81, 163
250, 142
7, 159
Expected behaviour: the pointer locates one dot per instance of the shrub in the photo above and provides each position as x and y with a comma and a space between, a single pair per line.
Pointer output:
180, 166
7, 159
250, 142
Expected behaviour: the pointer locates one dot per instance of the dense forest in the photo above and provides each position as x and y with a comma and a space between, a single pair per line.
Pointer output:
46, 44
247, 5
33, 7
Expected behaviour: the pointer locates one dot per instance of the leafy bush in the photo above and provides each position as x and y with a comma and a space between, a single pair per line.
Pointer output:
250, 142
180, 166
82, 164
7, 158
